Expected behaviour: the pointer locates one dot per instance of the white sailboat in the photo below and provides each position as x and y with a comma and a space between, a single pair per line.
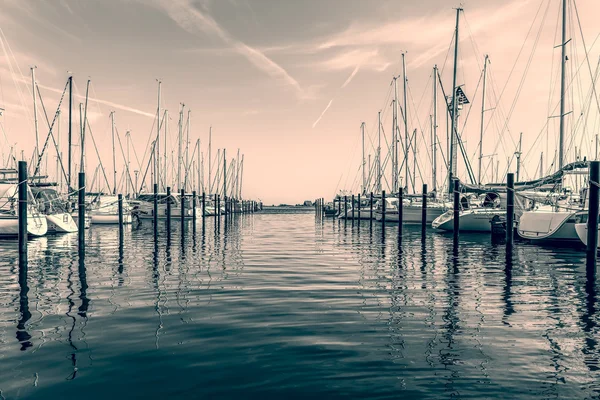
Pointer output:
104, 209
59, 220
474, 218
9, 213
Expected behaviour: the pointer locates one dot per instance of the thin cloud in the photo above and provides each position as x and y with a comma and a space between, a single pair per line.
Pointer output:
322, 114
352, 75
192, 20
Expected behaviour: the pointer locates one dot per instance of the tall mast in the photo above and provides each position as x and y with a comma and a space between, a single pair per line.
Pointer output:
364, 178
395, 138
241, 175
156, 180
187, 150
35, 120
485, 62
58, 156
224, 174
128, 140
542, 165
112, 123
562, 86
199, 161
414, 147
87, 91
453, 133
209, 160
405, 116
70, 131
379, 152
434, 130
165, 173
237, 175
179, 159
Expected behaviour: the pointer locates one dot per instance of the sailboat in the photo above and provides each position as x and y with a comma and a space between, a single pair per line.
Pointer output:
59, 220
9, 212
557, 221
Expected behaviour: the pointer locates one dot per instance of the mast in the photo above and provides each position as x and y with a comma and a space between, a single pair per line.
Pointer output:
179, 156
70, 131
241, 175
454, 139
58, 156
155, 179
128, 140
395, 138
165, 154
237, 175
199, 162
485, 62
187, 149
562, 86
434, 130
542, 165
405, 115
379, 153
414, 147
364, 179
35, 120
224, 175
209, 160
82, 163
112, 123
518, 154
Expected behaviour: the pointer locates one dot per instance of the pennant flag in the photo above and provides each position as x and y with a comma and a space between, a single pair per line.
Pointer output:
461, 97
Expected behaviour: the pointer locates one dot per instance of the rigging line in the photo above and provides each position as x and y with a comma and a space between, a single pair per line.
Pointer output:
87, 122
558, 103
41, 154
519, 54
128, 173
522, 82
415, 115
586, 53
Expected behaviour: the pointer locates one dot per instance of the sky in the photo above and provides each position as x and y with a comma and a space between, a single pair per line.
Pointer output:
289, 83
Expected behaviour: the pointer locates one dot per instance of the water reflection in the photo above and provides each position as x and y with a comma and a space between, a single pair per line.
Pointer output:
22, 335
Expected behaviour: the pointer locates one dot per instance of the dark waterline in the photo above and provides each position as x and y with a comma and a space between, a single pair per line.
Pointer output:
288, 305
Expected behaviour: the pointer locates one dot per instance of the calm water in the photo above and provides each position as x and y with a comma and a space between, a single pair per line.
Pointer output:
286, 306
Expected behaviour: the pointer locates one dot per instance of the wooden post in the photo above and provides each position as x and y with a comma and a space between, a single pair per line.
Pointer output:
371, 212
345, 209
218, 218
456, 211
510, 210
400, 215
592, 225
22, 210
383, 209
424, 213
155, 213
358, 208
339, 206
120, 205
182, 195
168, 209
352, 208
194, 207
81, 208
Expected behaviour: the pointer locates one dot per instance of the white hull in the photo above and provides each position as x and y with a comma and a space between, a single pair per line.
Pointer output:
548, 226
61, 223
363, 214
36, 226
411, 214
474, 220
581, 230
99, 218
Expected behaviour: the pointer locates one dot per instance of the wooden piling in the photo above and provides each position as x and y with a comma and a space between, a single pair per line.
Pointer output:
400, 215
183, 210
155, 212
371, 212
352, 208
194, 207
339, 199
456, 221
592, 224
168, 209
22, 210
424, 213
383, 209
510, 210
120, 207
345, 209
81, 209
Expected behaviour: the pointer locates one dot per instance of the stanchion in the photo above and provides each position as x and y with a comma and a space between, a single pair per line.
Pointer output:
81, 208
424, 213
22, 212
592, 225
339, 199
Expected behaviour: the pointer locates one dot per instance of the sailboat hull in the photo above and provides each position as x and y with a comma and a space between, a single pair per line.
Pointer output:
61, 223
548, 226
475, 220
9, 226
